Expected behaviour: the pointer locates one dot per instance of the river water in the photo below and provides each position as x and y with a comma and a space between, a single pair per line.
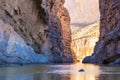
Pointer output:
59, 72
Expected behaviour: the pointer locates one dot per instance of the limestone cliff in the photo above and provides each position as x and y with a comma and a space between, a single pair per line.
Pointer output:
107, 49
84, 25
84, 40
29, 27
83, 12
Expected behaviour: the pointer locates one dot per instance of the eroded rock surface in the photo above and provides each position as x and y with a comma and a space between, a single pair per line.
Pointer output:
84, 40
13, 48
38, 27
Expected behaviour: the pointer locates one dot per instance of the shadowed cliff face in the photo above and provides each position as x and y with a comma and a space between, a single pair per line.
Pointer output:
40, 26
60, 34
108, 46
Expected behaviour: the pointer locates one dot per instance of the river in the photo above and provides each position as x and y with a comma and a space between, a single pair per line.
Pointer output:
59, 72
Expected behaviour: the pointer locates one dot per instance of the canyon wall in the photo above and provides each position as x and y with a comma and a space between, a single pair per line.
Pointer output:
84, 40
84, 26
83, 12
107, 50
33, 31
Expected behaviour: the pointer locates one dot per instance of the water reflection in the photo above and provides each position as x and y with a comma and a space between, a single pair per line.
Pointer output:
50, 77
59, 72
109, 73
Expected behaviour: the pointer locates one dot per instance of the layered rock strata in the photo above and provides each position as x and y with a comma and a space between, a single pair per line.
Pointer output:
84, 40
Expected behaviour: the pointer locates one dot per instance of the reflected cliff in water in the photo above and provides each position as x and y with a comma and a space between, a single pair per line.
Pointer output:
59, 72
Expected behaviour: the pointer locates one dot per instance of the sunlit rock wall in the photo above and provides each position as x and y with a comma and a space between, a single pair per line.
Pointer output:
84, 41
83, 12
84, 25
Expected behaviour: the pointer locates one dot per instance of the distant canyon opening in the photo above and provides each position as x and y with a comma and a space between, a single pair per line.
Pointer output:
85, 18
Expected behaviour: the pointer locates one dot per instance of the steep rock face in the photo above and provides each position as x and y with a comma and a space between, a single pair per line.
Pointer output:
108, 46
85, 29
37, 26
83, 12
66, 34
60, 34
84, 40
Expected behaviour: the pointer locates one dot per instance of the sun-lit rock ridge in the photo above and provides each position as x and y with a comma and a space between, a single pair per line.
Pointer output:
84, 40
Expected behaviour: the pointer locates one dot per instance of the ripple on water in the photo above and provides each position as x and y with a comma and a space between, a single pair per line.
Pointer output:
60, 72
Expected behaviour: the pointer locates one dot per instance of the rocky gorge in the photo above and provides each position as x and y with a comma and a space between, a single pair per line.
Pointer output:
84, 26
53, 31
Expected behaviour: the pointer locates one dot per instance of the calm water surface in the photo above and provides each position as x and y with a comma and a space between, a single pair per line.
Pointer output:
59, 72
